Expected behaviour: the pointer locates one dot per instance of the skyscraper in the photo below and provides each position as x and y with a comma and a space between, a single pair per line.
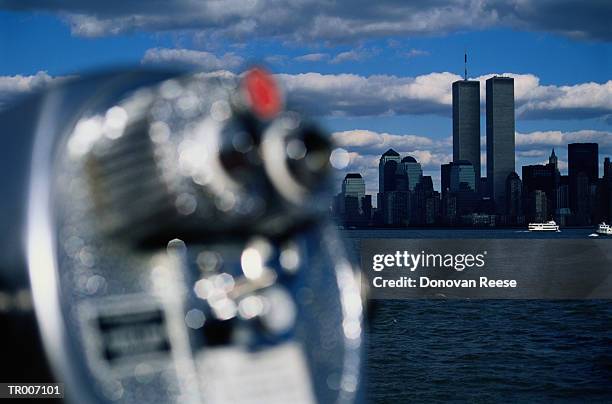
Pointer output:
387, 168
605, 191
353, 185
553, 160
445, 170
500, 137
352, 203
412, 170
514, 187
583, 172
542, 177
396, 210
538, 206
466, 123
462, 176
462, 186
583, 157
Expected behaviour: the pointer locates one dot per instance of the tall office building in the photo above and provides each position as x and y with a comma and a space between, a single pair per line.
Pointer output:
553, 160
387, 169
605, 192
514, 187
500, 137
462, 176
583, 157
424, 208
411, 169
352, 205
607, 169
541, 179
353, 185
396, 210
445, 170
538, 206
466, 123
583, 173
463, 187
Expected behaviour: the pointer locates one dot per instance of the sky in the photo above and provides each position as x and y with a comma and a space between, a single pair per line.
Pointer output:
377, 75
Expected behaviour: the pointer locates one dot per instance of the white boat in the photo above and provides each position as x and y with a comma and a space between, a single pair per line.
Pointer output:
604, 229
548, 226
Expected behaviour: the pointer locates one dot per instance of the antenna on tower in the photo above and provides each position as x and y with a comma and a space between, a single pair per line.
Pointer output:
465, 65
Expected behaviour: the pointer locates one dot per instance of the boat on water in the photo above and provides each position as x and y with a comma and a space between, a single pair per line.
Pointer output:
604, 229
548, 226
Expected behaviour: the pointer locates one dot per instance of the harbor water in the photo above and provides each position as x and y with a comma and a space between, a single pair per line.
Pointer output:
487, 350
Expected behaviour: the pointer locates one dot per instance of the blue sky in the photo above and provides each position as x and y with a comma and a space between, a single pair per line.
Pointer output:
345, 67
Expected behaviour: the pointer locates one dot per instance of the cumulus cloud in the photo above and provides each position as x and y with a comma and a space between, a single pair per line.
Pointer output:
357, 95
531, 153
313, 20
354, 95
13, 87
375, 141
192, 58
534, 100
350, 94
353, 55
559, 138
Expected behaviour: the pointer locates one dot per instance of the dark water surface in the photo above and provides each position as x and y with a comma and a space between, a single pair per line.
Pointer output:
488, 350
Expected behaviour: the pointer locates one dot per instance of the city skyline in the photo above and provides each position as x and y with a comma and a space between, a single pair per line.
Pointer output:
499, 118
553, 150
406, 197
582, 197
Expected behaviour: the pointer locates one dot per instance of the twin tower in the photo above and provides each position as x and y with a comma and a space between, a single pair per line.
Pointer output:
500, 133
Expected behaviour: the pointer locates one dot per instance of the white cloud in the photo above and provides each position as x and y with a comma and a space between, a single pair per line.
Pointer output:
350, 94
312, 57
313, 20
380, 95
354, 55
534, 100
20, 84
12, 87
380, 141
186, 57
531, 153
557, 138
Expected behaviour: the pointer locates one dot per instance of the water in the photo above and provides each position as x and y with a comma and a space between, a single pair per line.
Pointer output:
487, 350
490, 351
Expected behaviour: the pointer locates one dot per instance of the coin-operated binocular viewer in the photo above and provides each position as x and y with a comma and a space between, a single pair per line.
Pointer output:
178, 245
